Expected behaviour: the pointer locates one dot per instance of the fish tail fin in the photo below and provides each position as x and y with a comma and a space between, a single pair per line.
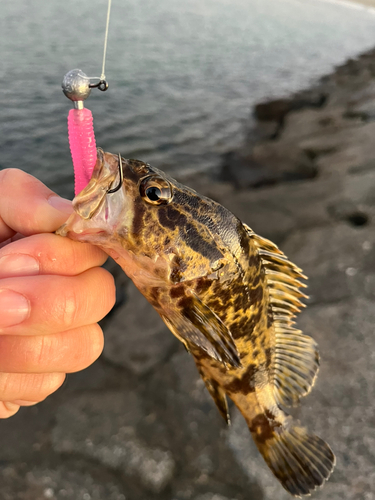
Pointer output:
301, 461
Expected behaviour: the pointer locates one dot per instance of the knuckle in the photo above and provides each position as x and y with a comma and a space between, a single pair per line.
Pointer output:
6, 384
44, 350
68, 308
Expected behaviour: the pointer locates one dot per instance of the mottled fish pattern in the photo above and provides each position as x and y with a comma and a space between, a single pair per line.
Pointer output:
228, 294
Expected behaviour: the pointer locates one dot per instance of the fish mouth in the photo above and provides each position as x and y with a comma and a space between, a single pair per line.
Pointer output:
90, 199
97, 207
84, 230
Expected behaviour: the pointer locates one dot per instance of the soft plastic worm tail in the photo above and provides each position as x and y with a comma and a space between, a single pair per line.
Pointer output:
82, 146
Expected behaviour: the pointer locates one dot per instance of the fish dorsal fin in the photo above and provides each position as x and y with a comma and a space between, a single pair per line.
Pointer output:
295, 360
197, 325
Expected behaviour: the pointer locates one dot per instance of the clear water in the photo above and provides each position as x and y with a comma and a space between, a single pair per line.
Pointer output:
183, 75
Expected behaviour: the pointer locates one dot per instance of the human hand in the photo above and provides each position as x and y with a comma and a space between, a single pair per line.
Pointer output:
52, 293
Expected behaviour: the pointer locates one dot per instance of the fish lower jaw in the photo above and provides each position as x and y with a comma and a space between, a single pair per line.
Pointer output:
93, 236
80, 229
88, 232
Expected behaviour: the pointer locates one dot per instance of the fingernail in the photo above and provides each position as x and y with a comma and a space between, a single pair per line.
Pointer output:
18, 264
14, 308
61, 204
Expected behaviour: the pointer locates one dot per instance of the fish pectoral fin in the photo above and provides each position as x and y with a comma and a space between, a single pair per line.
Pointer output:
217, 394
197, 325
214, 331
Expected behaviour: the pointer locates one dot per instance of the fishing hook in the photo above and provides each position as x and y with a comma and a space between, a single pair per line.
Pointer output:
101, 85
121, 173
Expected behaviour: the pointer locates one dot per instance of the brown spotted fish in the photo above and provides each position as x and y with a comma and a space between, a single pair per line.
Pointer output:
228, 294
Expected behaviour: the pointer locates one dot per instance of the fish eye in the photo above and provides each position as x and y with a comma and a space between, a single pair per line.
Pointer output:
155, 190
153, 193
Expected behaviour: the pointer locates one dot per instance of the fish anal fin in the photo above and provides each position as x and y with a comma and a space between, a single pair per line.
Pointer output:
301, 461
296, 364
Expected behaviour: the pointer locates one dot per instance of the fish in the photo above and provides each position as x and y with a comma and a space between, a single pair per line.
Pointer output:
229, 295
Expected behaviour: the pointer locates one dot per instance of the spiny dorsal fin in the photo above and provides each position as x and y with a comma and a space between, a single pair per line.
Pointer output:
295, 360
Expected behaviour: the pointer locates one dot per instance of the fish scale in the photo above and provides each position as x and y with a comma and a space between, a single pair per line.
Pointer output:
228, 294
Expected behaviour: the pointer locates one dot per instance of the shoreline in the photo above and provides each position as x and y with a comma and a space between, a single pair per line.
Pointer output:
296, 137
359, 4
365, 3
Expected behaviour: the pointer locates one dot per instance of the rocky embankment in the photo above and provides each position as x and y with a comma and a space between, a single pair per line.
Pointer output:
139, 423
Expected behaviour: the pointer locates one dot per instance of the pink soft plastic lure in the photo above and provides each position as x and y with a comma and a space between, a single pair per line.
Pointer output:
82, 146
76, 86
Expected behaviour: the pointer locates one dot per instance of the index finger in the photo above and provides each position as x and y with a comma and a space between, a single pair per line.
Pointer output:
48, 254
27, 206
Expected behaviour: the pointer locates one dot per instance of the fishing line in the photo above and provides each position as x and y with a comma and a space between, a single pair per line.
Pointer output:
102, 76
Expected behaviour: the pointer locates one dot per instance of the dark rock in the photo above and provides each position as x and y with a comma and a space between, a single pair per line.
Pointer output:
261, 131
209, 186
135, 336
274, 110
245, 171
362, 98
204, 454
310, 123
365, 111
268, 163
267, 219
335, 259
344, 396
287, 161
59, 483
25, 433
275, 212
102, 427
340, 151
347, 210
330, 139
99, 376
212, 496
360, 189
121, 281
277, 109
